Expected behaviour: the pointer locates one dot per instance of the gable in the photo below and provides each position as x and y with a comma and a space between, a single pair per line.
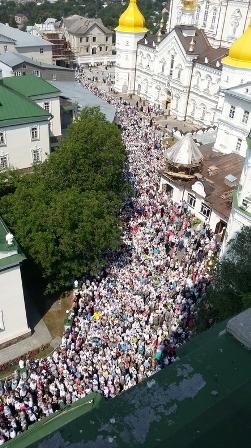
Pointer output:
169, 44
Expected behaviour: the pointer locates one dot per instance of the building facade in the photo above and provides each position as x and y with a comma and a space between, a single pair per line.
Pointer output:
14, 64
42, 93
223, 21
180, 70
90, 41
13, 39
13, 319
24, 131
234, 122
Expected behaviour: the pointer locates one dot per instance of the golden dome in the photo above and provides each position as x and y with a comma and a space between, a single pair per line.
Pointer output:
132, 21
239, 54
189, 5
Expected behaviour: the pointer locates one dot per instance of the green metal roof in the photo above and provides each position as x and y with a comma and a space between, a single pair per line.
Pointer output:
30, 85
16, 109
9, 255
202, 400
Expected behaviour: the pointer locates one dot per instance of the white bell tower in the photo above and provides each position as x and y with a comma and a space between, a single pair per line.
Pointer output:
130, 30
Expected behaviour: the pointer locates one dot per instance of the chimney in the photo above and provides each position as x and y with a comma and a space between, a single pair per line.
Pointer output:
191, 45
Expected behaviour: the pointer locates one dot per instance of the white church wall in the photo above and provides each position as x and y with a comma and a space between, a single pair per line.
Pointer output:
196, 200
223, 21
13, 321
233, 76
126, 46
232, 132
203, 96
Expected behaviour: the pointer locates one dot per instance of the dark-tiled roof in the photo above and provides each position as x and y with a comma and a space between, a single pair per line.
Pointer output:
79, 25
151, 40
187, 33
214, 56
218, 194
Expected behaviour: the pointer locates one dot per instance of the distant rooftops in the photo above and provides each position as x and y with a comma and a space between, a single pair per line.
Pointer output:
14, 59
79, 25
21, 38
30, 86
84, 98
16, 109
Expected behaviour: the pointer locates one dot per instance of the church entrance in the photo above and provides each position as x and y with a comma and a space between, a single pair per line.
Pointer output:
220, 229
166, 188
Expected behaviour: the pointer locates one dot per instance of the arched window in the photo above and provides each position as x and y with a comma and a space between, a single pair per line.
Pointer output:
193, 107
148, 61
163, 65
197, 16
179, 70
179, 14
145, 86
171, 65
176, 99
208, 82
203, 111
235, 21
214, 15
206, 14
197, 77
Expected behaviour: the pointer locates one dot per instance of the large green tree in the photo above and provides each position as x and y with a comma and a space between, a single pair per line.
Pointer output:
65, 214
230, 291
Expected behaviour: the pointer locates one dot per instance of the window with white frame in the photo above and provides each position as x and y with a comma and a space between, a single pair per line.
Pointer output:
206, 14
36, 157
34, 133
54, 77
205, 210
47, 106
3, 162
2, 139
245, 117
18, 73
214, 15
171, 65
41, 50
232, 112
191, 200
36, 72
197, 16
238, 145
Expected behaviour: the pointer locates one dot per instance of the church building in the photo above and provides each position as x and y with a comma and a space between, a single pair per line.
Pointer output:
197, 68
180, 68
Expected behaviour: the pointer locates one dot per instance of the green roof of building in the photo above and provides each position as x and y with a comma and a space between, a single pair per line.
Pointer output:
202, 400
30, 85
10, 255
16, 109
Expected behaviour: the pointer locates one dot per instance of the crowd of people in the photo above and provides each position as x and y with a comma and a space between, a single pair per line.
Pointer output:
128, 321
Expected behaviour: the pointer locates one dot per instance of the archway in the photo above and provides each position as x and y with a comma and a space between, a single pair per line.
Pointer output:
220, 229
168, 189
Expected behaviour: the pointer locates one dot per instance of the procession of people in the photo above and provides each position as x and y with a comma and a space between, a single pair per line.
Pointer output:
127, 321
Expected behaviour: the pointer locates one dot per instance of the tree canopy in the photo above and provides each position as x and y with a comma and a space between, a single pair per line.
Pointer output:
37, 13
230, 291
65, 214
